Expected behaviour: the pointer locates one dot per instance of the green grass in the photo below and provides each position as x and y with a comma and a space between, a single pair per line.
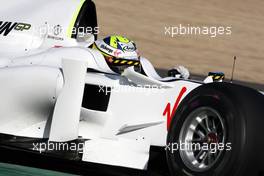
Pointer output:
16, 170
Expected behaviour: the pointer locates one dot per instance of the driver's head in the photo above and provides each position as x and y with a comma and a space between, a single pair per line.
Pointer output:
119, 52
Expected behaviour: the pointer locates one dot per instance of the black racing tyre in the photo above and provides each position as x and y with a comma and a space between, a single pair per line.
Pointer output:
217, 131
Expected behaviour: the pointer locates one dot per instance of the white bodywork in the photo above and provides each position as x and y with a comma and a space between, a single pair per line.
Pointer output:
42, 87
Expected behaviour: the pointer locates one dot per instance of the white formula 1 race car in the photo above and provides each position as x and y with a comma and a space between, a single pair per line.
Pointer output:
60, 98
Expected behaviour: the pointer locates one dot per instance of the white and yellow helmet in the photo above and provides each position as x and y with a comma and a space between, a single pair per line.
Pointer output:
119, 52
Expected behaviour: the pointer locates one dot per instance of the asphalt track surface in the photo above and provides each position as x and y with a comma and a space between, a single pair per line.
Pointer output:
157, 162
144, 22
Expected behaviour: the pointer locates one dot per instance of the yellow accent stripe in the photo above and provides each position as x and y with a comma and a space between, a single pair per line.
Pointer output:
74, 18
217, 77
113, 41
122, 39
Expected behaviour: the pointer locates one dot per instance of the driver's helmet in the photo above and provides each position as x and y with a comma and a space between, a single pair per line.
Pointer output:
119, 52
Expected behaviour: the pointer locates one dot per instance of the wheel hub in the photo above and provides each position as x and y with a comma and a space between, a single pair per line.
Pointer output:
203, 126
212, 138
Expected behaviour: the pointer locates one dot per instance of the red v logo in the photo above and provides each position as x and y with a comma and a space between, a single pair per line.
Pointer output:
168, 111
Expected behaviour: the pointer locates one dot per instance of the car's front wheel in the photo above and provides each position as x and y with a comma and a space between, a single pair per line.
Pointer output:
217, 131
